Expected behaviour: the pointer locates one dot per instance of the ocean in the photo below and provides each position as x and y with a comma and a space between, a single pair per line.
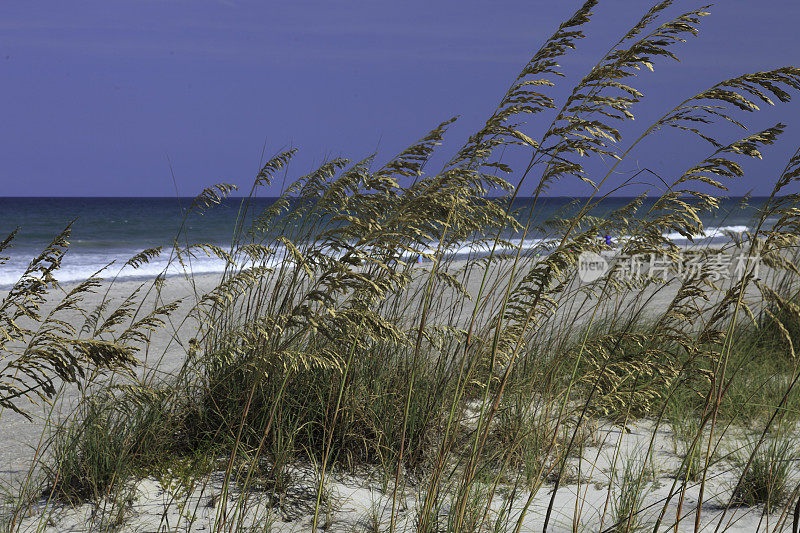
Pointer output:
111, 230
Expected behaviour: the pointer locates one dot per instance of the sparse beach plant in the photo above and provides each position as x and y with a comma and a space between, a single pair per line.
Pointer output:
766, 466
628, 496
693, 458
114, 434
524, 435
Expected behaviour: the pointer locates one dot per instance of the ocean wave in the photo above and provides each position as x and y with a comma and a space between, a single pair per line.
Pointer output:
79, 266
709, 233
81, 263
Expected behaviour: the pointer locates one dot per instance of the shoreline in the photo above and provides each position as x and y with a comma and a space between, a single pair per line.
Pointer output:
457, 257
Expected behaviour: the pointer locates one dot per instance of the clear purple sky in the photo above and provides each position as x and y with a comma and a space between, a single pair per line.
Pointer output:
98, 95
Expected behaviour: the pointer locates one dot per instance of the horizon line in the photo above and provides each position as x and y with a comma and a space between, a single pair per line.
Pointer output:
10, 197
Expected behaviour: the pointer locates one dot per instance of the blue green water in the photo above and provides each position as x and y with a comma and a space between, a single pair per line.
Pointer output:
114, 229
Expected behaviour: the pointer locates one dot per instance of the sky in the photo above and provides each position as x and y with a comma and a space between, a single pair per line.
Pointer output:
165, 97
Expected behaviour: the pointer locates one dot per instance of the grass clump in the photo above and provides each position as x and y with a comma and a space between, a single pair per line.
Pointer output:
628, 498
766, 467
111, 438
688, 442
761, 371
526, 437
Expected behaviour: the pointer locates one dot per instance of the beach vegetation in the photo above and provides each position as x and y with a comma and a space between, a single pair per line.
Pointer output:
475, 388
765, 470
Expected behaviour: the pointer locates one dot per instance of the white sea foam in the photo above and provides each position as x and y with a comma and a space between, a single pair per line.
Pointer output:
80, 264
710, 233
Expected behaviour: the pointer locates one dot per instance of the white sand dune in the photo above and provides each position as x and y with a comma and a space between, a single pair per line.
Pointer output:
358, 504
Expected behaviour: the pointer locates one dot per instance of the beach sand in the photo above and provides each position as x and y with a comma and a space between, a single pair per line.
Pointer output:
359, 499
